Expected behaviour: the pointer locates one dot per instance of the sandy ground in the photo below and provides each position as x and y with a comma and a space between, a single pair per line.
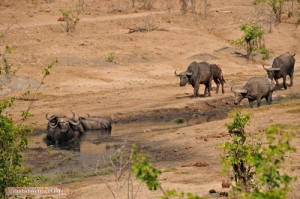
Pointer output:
141, 82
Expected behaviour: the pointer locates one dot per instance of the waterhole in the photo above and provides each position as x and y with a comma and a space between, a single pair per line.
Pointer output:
93, 151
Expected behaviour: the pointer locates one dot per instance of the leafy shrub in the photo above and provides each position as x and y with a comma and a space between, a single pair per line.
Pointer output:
257, 168
111, 57
251, 40
265, 52
13, 140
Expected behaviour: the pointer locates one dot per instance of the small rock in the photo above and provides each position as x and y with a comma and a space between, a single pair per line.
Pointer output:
212, 191
61, 19
225, 184
175, 150
201, 164
224, 194
147, 130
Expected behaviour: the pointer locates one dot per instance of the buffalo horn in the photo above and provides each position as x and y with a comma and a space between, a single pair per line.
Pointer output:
51, 118
176, 74
265, 67
73, 121
241, 91
276, 69
188, 73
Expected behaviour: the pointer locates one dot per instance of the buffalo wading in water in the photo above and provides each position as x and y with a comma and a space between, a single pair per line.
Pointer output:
282, 66
256, 88
96, 123
63, 130
197, 73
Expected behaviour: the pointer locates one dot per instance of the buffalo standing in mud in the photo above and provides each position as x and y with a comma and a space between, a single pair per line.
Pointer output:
256, 88
282, 66
63, 130
197, 73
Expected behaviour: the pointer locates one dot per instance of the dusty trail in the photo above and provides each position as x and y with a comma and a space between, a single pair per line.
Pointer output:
44, 21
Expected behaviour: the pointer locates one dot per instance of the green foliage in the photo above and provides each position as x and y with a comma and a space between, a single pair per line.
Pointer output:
179, 120
264, 52
258, 169
251, 32
144, 170
269, 164
174, 193
70, 19
6, 67
236, 152
13, 140
251, 40
111, 57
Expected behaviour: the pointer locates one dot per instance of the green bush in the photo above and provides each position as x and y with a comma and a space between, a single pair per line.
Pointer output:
111, 57
258, 166
251, 41
13, 140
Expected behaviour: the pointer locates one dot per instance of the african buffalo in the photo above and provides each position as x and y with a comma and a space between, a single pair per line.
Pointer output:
63, 130
95, 123
255, 89
197, 73
218, 77
282, 66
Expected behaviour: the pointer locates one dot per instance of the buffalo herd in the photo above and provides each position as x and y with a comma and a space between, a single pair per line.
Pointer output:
62, 130
255, 89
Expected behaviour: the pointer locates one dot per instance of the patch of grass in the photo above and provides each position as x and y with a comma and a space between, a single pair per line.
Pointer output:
102, 171
179, 120
48, 167
286, 127
297, 110
183, 172
111, 57
170, 169
63, 178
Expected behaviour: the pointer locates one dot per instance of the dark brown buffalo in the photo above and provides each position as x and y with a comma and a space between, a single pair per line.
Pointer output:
282, 66
95, 123
218, 77
197, 73
63, 130
256, 88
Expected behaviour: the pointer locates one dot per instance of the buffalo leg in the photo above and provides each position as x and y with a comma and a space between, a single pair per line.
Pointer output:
250, 102
284, 82
277, 83
218, 85
258, 101
269, 98
205, 90
222, 84
207, 87
196, 90
291, 80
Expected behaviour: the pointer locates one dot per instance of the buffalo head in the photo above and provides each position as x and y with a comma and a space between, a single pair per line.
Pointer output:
272, 72
62, 122
239, 95
184, 77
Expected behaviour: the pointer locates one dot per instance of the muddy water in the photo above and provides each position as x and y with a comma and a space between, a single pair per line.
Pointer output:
88, 155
